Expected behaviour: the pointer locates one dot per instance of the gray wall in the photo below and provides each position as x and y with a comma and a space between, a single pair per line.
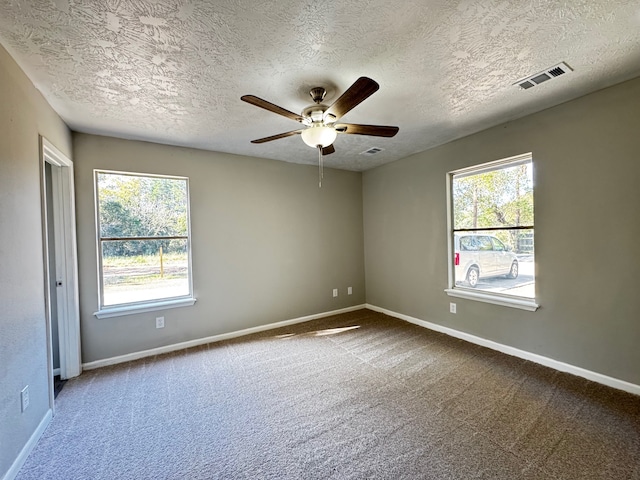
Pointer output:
23, 337
268, 244
586, 174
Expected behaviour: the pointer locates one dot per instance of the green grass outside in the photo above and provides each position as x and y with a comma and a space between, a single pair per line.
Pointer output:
144, 260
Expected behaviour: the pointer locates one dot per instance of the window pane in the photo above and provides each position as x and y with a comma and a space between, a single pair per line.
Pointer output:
138, 206
497, 198
500, 261
142, 270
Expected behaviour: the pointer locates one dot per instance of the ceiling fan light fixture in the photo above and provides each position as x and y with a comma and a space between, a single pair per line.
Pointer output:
319, 135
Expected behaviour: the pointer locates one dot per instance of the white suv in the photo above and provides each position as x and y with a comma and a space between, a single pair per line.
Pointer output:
480, 256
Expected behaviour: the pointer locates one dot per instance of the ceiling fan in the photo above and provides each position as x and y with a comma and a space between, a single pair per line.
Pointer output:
320, 121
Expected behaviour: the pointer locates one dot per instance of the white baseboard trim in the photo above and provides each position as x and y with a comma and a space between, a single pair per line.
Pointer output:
546, 361
29, 446
56, 372
215, 338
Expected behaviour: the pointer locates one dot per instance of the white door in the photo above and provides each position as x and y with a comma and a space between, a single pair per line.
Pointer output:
59, 234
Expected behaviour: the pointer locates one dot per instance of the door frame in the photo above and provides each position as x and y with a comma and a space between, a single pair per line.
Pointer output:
66, 262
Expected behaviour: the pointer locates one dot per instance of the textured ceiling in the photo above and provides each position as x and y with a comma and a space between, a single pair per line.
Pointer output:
174, 71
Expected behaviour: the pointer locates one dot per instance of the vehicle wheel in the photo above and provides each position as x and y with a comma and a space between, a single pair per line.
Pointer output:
513, 272
472, 277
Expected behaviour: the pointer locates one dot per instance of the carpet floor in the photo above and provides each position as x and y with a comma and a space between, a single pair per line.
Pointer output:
354, 396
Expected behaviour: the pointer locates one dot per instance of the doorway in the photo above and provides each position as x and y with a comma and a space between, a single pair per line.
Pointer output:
60, 264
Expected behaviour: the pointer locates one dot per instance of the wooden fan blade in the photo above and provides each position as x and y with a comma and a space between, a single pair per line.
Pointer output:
361, 89
328, 150
276, 137
258, 102
373, 130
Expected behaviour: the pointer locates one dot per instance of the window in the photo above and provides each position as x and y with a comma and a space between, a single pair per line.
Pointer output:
144, 255
491, 242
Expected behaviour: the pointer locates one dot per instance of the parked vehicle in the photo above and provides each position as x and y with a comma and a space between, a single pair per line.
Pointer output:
481, 256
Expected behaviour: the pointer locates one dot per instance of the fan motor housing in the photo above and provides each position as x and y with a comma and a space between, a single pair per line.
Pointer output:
315, 114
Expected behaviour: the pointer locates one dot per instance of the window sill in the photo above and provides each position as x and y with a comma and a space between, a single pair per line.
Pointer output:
523, 304
144, 307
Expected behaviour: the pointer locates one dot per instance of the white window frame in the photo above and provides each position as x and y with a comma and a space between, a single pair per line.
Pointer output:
146, 305
467, 293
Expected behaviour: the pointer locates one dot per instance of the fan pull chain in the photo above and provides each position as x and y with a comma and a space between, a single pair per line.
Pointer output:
320, 167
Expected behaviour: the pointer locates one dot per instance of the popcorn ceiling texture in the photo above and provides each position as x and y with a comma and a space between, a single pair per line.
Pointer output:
173, 71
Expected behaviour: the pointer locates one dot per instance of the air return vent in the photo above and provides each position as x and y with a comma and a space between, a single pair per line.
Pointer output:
371, 151
541, 77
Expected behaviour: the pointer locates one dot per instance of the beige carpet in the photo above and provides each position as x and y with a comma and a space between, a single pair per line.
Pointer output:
355, 396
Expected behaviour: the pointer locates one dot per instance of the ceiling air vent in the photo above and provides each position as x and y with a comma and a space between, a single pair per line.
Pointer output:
548, 74
371, 151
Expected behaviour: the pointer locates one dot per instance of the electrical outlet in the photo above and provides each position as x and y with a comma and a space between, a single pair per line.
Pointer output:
335, 292
349, 290
24, 398
159, 322
452, 307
